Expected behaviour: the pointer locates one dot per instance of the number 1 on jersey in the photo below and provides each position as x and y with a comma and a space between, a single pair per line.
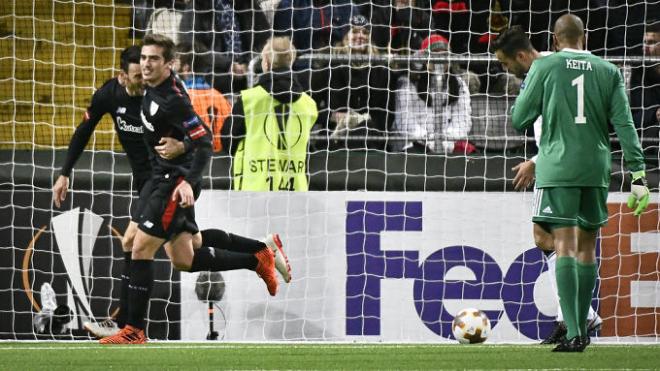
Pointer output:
579, 81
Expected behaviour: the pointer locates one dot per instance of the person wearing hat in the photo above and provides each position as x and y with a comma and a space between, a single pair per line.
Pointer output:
359, 96
433, 106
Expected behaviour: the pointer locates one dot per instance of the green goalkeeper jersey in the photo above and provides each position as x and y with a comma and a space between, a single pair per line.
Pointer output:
578, 94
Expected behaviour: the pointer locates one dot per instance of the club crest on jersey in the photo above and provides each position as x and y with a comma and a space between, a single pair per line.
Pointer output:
194, 121
146, 123
153, 108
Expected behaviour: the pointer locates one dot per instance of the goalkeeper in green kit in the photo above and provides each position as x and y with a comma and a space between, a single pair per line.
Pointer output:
578, 94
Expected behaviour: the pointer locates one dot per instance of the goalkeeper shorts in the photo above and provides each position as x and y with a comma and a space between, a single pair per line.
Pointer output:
557, 207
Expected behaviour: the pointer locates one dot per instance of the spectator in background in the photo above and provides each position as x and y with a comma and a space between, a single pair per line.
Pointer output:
268, 7
268, 134
255, 27
213, 23
193, 66
452, 19
313, 24
358, 99
166, 19
410, 25
379, 16
645, 90
433, 106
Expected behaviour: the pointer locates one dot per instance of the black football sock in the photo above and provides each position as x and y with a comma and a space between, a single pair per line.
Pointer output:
123, 293
142, 281
210, 259
232, 242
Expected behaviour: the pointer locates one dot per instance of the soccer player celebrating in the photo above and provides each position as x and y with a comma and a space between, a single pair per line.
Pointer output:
516, 53
574, 163
121, 97
167, 215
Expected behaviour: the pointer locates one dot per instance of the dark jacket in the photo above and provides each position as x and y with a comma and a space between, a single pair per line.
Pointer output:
252, 18
313, 24
281, 84
207, 22
645, 100
362, 89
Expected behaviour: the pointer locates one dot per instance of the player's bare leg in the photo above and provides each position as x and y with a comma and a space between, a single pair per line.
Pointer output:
543, 239
141, 283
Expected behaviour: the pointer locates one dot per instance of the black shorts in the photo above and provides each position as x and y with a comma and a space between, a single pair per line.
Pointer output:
160, 216
143, 190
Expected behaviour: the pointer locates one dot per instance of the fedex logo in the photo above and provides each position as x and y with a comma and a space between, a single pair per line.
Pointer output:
368, 265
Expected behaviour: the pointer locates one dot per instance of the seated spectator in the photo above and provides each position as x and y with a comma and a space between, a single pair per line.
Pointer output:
359, 95
255, 27
166, 19
269, 7
213, 23
452, 19
313, 24
268, 133
379, 15
433, 106
208, 103
410, 25
645, 90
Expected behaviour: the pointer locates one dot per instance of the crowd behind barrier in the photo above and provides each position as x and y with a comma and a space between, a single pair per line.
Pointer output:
369, 65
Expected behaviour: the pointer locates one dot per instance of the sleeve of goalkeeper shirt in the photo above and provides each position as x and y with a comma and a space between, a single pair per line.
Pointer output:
529, 103
621, 118
97, 108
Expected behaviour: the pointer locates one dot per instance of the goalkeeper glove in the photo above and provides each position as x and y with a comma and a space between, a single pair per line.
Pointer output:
639, 193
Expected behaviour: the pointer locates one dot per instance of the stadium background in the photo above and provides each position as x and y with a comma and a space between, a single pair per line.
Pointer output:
55, 53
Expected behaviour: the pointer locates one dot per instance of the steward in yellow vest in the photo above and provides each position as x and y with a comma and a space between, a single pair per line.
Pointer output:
268, 135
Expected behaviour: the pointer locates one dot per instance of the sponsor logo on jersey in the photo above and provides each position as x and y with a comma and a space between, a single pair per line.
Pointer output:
125, 126
146, 123
153, 108
547, 210
148, 224
121, 110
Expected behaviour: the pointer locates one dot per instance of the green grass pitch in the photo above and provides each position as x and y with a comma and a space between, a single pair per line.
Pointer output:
297, 356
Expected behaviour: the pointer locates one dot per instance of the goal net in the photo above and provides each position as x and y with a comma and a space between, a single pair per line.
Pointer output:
411, 214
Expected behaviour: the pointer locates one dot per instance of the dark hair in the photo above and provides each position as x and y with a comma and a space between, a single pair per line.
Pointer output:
128, 56
164, 42
512, 41
198, 58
